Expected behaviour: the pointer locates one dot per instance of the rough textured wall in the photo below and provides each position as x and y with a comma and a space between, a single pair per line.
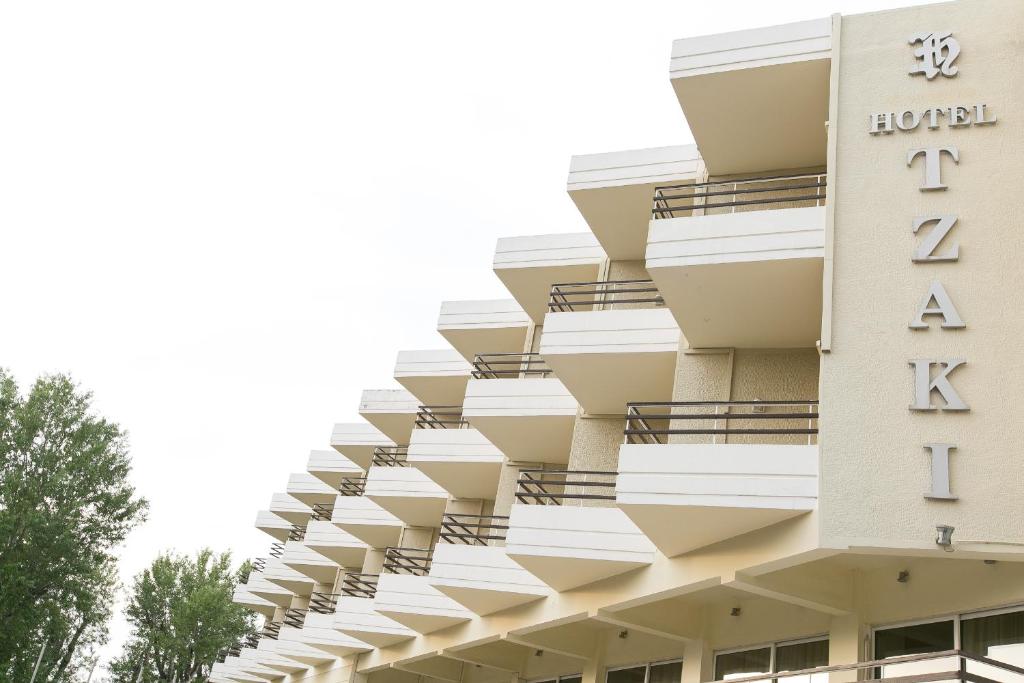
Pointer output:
774, 375
595, 447
374, 561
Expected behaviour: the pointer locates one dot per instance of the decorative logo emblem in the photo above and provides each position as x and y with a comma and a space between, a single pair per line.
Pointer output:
936, 55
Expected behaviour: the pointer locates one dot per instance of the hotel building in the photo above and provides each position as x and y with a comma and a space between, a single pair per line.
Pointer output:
755, 424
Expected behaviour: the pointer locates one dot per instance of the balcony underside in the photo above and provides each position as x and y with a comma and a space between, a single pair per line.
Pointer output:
342, 548
408, 494
288, 578
482, 578
289, 645
331, 467
318, 631
460, 461
367, 521
267, 655
242, 596
414, 603
487, 326
357, 441
268, 590
357, 618
272, 525
309, 563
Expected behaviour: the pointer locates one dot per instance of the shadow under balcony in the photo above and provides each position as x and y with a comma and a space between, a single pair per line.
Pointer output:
405, 594
454, 455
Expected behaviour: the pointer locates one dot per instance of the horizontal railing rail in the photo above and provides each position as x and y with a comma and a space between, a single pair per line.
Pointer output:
272, 629
440, 417
234, 650
259, 564
656, 423
509, 366
580, 296
322, 512
252, 640
767, 192
554, 487
389, 456
323, 603
473, 529
352, 486
948, 665
294, 617
356, 585
276, 549
296, 533
414, 561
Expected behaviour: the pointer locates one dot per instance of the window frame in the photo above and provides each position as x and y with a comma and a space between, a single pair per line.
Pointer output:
772, 646
647, 667
957, 618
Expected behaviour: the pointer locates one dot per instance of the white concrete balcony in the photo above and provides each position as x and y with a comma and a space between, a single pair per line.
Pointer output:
331, 467
749, 279
356, 617
267, 655
259, 586
318, 631
248, 661
242, 596
472, 327
230, 670
756, 99
308, 562
293, 511
529, 266
565, 544
356, 441
309, 490
271, 524
482, 578
392, 411
337, 545
290, 645
413, 602
436, 377
613, 190
276, 571
461, 461
367, 521
611, 342
699, 473
408, 494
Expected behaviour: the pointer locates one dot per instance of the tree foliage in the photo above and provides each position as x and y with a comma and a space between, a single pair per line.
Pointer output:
65, 503
182, 615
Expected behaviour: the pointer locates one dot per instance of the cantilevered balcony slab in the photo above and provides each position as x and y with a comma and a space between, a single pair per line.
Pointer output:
318, 631
482, 578
684, 496
408, 494
356, 617
290, 645
309, 562
528, 266
413, 602
337, 545
229, 669
462, 461
529, 419
276, 571
491, 326
435, 377
277, 527
309, 490
290, 509
367, 521
742, 280
259, 587
267, 655
248, 662
356, 441
568, 546
242, 596
331, 467
756, 99
609, 357
392, 411
613, 192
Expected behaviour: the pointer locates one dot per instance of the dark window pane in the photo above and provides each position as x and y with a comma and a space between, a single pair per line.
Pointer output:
913, 640
632, 675
669, 672
571, 679
1000, 636
747, 662
801, 656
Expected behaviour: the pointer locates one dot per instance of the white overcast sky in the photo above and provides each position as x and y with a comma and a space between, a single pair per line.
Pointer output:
226, 217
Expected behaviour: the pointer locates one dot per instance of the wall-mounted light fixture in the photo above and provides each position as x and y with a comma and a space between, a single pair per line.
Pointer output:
735, 612
944, 537
623, 634
903, 576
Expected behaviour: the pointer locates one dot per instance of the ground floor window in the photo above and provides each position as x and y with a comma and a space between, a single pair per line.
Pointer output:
571, 678
775, 658
654, 672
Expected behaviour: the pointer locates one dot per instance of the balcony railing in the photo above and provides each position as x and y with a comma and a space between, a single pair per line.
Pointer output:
555, 487
294, 617
297, 533
259, 564
272, 629
389, 456
473, 529
356, 585
587, 296
787, 422
509, 366
252, 640
440, 417
276, 549
414, 561
948, 666
352, 486
746, 194
323, 603
322, 512
234, 650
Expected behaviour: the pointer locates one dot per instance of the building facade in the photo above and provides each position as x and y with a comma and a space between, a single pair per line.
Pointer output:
759, 419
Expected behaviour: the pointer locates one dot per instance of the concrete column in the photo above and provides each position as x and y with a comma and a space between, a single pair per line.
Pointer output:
594, 668
374, 561
846, 645
698, 662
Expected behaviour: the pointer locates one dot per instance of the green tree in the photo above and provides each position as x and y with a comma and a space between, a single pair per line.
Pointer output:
182, 615
65, 504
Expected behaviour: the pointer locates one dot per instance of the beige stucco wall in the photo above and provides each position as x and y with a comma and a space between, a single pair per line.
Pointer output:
874, 469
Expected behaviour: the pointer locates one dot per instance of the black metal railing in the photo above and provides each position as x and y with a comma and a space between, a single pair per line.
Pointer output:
747, 421
276, 549
272, 629
554, 487
322, 512
473, 529
352, 486
356, 585
294, 617
414, 561
389, 456
259, 564
741, 194
296, 533
323, 603
509, 366
234, 650
252, 640
440, 417
585, 296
